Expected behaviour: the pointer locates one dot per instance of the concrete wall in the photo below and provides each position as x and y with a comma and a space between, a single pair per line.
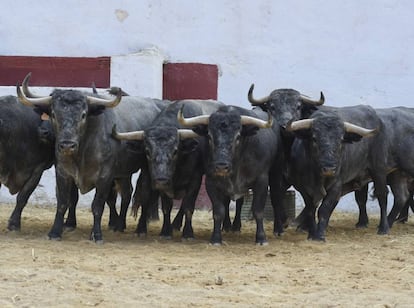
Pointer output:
354, 51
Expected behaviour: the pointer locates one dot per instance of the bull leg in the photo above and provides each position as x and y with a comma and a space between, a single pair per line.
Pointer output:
166, 230
113, 214
381, 192
101, 195
361, 197
21, 201
126, 192
226, 220
325, 211
403, 216
147, 197
188, 205
278, 188
258, 205
218, 201
401, 194
236, 226
70, 223
64, 189
178, 220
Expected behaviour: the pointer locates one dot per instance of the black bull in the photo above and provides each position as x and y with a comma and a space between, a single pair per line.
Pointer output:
26, 150
244, 152
87, 157
175, 160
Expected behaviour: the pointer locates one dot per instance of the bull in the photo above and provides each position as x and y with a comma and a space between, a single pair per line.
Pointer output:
330, 153
175, 160
243, 151
86, 155
26, 150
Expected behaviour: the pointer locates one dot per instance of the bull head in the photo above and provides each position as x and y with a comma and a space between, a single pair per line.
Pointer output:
303, 98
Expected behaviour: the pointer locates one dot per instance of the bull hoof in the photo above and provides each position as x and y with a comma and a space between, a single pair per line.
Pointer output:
382, 232
141, 235
166, 237
317, 238
69, 228
187, 239
96, 237
13, 227
262, 243
215, 243
54, 238
361, 225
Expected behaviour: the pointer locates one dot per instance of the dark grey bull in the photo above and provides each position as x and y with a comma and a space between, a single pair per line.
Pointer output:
175, 160
26, 150
243, 149
285, 105
87, 157
330, 154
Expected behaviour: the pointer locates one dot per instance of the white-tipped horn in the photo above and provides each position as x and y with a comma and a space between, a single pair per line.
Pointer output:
247, 120
300, 124
108, 103
309, 101
253, 101
364, 132
31, 102
187, 134
193, 121
25, 87
135, 135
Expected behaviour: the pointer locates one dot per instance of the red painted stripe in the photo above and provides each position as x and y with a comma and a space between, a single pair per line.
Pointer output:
56, 71
190, 81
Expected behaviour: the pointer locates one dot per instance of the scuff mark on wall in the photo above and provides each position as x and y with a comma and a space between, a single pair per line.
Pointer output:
121, 15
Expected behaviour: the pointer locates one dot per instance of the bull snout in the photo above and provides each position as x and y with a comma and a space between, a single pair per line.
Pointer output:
161, 183
328, 171
67, 147
222, 169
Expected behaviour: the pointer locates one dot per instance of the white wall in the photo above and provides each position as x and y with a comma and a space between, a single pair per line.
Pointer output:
354, 51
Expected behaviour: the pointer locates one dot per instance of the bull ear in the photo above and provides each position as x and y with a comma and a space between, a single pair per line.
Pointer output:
249, 130
95, 110
135, 146
188, 145
307, 110
351, 137
201, 130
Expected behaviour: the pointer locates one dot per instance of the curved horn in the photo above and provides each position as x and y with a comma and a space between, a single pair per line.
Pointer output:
25, 87
305, 99
109, 103
31, 102
187, 134
135, 135
246, 120
253, 101
300, 124
189, 122
364, 132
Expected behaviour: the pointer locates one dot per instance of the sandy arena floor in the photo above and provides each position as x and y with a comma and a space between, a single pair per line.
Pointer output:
353, 268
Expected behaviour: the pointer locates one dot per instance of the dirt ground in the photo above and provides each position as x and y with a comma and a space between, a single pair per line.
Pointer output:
353, 268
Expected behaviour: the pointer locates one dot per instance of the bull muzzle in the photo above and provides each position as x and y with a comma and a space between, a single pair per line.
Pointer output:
328, 171
67, 147
222, 169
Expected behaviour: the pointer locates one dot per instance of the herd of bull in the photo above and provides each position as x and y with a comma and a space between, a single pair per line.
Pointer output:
99, 141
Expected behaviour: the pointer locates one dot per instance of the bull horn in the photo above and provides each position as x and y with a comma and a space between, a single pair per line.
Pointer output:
135, 135
108, 103
305, 99
254, 101
189, 122
247, 120
187, 134
31, 102
300, 124
25, 87
364, 132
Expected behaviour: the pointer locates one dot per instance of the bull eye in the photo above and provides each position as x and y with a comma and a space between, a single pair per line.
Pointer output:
83, 116
174, 153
